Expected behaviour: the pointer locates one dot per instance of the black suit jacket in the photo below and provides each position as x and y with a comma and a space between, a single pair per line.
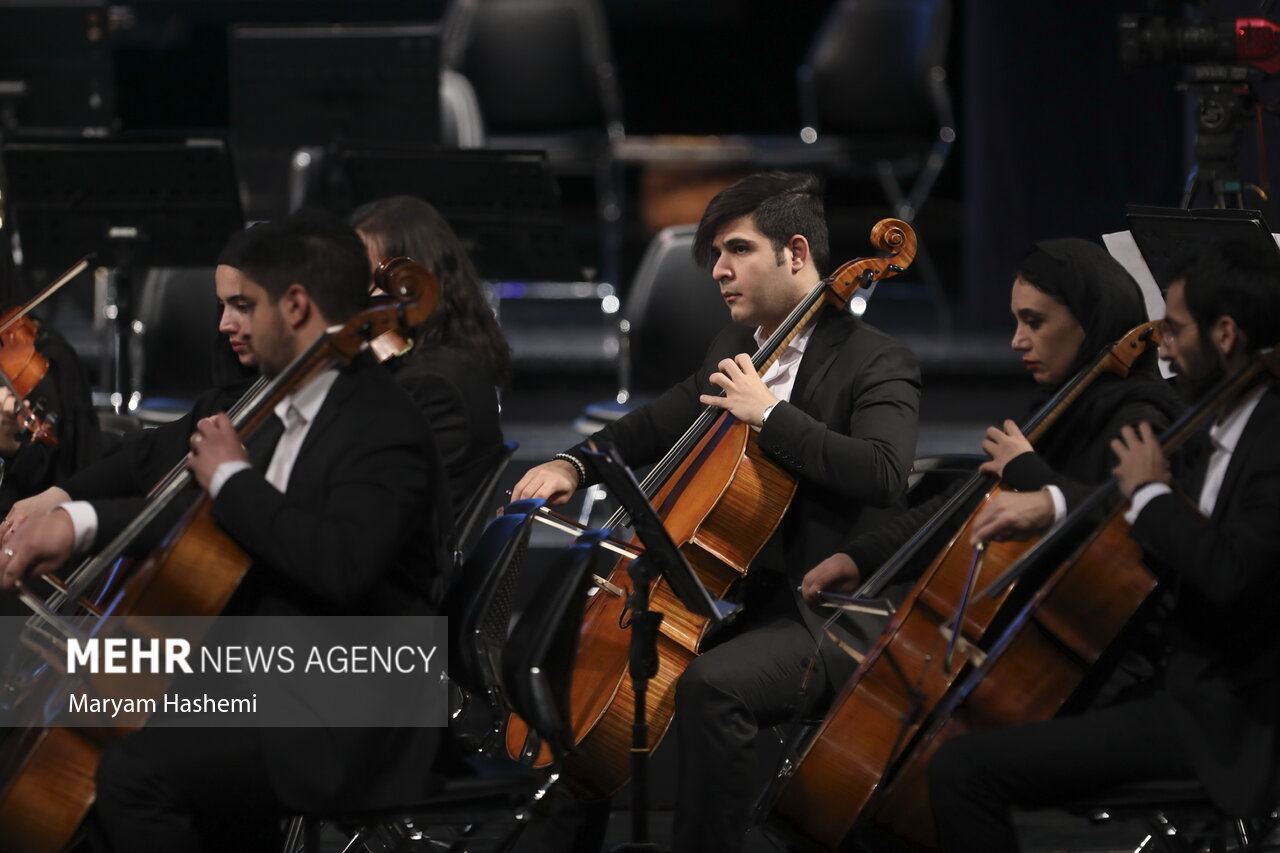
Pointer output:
1224, 667
848, 434
357, 531
458, 395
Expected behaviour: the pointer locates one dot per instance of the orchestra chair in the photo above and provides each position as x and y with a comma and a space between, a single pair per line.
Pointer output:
931, 475
480, 504
1180, 818
485, 806
672, 311
874, 104
543, 74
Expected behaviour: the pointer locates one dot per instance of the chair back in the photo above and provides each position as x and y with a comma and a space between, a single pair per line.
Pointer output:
479, 503
870, 69
672, 312
479, 602
461, 122
932, 475
536, 65
538, 668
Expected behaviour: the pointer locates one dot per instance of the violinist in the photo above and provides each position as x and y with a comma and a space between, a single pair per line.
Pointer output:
60, 399
1212, 713
1069, 300
837, 410
340, 517
459, 355
147, 455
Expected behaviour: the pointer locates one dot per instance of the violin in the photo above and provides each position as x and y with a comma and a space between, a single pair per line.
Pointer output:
21, 364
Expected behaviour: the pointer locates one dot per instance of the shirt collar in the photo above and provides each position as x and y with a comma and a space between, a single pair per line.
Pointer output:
797, 344
307, 399
1225, 434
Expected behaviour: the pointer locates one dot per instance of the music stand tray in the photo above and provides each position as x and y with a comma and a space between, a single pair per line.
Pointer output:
1166, 235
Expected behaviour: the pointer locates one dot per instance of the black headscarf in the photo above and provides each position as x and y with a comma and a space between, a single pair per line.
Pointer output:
1107, 303
1097, 290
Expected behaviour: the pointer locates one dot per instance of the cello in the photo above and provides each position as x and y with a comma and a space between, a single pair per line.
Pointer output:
922, 650
47, 769
1060, 633
720, 499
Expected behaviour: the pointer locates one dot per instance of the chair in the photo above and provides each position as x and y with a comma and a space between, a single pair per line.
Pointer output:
461, 122
543, 73
672, 312
487, 808
479, 503
874, 102
931, 475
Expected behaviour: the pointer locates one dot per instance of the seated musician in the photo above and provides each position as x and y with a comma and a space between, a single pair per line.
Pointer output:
340, 517
459, 354
1212, 714
62, 400
1069, 300
837, 410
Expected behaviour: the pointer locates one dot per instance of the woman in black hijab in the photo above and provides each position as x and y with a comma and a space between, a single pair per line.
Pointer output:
1070, 299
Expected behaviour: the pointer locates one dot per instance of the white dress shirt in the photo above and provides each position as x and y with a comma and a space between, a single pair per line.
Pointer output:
296, 411
1224, 435
780, 377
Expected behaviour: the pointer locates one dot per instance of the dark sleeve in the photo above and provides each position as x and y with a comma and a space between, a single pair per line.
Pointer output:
338, 540
445, 407
1225, 560
870, 550
867, 459
1031, 471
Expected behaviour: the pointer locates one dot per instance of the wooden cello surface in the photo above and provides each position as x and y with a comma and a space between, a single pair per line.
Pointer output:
47, 784
879, 713
721, 500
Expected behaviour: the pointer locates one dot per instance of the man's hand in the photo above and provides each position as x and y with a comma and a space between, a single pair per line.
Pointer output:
553, 481
36, 548
214, 442
1012, 515
745, 395
32, 507
10, 426
1141, 459
1002, 445
837, 573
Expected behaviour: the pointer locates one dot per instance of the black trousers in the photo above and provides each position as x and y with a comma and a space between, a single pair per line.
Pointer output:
976, 779
760, 677
187, 790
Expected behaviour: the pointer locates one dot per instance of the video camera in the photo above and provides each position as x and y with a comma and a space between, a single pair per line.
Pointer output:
1249, 42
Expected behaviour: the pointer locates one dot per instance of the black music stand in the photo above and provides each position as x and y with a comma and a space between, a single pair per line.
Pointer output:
140, 203
661, 558
504, 205
296, 86
1166, 235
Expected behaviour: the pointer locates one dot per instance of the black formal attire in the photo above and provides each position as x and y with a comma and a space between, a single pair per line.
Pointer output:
457, 393
847, 435
1216, 711
358, 531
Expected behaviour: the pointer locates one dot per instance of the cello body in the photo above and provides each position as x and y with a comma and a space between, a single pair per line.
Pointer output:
720, 522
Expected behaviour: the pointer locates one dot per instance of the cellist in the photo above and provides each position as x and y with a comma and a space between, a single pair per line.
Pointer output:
1212, 713
837, 410
337, 517
1069, 300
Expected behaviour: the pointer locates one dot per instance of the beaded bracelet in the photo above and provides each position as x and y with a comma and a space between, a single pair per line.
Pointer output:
577, 464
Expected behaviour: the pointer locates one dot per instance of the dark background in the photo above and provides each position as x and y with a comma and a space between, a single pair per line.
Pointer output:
1054, 138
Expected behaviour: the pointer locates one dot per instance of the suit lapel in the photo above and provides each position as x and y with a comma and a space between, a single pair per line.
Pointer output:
832, 331
334, 404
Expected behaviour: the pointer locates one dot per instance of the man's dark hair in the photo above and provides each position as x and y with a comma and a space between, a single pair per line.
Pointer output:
1239, 279
314, 249
780, 204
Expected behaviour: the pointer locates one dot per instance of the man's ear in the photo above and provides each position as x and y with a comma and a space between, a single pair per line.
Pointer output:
295, 305
800, 254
